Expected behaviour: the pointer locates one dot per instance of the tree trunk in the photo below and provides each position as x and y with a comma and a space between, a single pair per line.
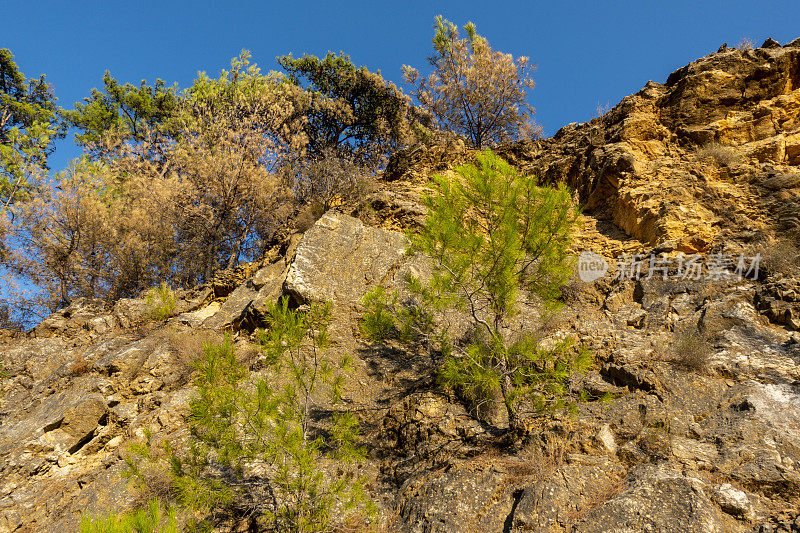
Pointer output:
211, 259
514, 423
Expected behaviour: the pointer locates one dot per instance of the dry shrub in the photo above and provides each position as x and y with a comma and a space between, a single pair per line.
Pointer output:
186, 346
541, 457
599, 495
307, 217
78, 367
170, 205
157, 485
328, 180
691, 349
147, 467
602, 109
656, 443
745, 44
722, 155
781, 255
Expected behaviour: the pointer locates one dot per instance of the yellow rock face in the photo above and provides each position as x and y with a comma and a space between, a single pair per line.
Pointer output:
707, 156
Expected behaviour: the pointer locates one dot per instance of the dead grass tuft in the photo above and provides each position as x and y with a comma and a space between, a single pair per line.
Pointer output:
745, 44
722, 155
540, 458
780, 255
78, 367
691, 349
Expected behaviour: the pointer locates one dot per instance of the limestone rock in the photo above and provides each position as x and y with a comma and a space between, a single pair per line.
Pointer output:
198, 317
545, 504
606, 438
779, 300
130, 311
666, 163
656, 499
339, 258
462, 498
250, 299
733, 501
694, 452
81, 314
62, 423
233, 310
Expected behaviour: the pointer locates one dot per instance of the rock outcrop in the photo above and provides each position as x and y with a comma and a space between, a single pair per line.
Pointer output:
666, 164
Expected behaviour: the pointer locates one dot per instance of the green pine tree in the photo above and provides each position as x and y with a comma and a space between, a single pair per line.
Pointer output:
129, 109
28, 125
498, 241
146, 520
254, 455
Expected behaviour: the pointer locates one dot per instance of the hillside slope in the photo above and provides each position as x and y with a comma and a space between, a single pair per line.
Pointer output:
703, 433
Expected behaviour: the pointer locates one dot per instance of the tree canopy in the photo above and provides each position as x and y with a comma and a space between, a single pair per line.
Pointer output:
128, 109
28, 126
473, 90
351, 110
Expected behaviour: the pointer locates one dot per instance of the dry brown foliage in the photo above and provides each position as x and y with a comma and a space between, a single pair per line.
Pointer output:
745, 44
541, 457
722, 155
173, 205
781, 255
329, 180
79, 366
91, 236
473, 90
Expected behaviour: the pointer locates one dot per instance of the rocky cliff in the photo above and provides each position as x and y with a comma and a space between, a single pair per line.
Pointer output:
702, 434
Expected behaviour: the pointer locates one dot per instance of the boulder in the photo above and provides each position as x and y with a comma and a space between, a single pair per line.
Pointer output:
233, 310
131, 311
658, 499
464, 497
64, 422
196, 318
80, 315
733, 501
269, 282
340, 258
248, 302
545, 504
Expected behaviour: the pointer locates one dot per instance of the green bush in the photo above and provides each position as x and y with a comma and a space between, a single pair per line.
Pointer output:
379, 315
148, 520
3, 375
161, 301
351, 112
497, 240
254, 455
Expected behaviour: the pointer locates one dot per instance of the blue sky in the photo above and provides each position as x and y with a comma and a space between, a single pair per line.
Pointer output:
588, 53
